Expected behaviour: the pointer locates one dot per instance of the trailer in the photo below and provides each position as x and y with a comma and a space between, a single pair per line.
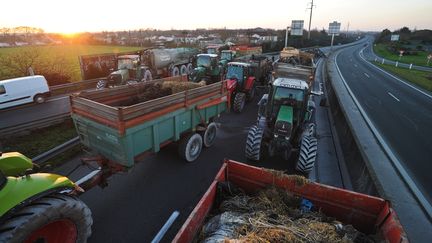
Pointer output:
366, 213
123, 133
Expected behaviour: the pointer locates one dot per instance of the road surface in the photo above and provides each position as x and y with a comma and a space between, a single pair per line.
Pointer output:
401, 112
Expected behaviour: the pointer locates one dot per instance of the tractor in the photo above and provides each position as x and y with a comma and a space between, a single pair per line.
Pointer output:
284, 124
240, 84
208, 69
39, 207
226, 57
129, 70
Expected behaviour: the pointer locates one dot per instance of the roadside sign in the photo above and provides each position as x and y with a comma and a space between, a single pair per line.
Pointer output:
394, 38
401, 52
297, 27
334, 28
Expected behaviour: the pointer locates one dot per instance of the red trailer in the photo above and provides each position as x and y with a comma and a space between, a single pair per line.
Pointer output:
366, 213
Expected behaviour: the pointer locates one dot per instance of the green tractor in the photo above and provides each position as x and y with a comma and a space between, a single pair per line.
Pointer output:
284, 124
226, 57
39, 207
208, 69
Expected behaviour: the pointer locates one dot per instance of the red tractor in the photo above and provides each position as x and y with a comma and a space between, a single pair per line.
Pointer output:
240, 83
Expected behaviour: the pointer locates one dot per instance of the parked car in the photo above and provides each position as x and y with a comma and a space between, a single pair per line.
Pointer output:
23, 90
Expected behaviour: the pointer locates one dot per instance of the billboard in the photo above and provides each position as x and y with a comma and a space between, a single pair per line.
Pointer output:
297, 27
334, 28
394, 38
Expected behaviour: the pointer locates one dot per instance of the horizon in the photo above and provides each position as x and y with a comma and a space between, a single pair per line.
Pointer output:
366, 15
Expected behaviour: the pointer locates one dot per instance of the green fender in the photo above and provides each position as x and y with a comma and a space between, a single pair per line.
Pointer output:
19, 187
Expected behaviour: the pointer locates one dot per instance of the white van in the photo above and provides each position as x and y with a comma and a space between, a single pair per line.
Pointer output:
23, 90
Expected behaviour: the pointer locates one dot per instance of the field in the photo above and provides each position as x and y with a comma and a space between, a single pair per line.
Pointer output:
420, 59
420, 78
69, 53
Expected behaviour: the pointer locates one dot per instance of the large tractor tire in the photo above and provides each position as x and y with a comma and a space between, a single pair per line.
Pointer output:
254, 143
308, 153
209, 135
239, 102
53, 218
190, 147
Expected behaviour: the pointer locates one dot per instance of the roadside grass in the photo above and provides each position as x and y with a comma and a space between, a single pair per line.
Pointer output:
42, 140
421, 78
419, 60
69, 53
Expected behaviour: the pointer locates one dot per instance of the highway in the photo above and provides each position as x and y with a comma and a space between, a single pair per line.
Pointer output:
135, 205
401, 112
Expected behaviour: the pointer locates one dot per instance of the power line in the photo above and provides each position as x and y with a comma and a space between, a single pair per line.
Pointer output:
310, 18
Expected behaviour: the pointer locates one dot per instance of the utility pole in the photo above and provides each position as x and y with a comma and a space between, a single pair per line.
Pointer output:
347, 30
310, 18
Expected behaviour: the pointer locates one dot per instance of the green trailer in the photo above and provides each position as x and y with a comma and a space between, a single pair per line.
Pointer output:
123, 134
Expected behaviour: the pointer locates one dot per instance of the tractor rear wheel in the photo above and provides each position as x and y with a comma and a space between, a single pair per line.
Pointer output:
175, 72
254, 143
183, 70
239, 102
190, 147
53, 218
189, 68
209, 135
308, 153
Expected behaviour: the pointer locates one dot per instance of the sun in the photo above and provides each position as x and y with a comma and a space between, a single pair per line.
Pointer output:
69, 34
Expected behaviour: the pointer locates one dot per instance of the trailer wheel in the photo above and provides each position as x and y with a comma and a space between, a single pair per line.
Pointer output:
175, 72
254, 143
190, 147
239, 102
209, 135
53, 218
147, 76
189, 68
39, 98
101, 84
183, 70
308, 153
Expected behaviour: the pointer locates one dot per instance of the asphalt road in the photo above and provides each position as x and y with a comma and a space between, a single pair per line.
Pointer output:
135, 205
402, 114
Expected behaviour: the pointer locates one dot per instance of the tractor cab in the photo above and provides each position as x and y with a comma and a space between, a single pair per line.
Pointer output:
238, 72
207, 68
285, 107
127, 68
228, 55
130, 62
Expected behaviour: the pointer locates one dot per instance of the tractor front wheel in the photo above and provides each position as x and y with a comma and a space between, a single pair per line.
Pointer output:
53, 218
308, 153
239, 102
254, 143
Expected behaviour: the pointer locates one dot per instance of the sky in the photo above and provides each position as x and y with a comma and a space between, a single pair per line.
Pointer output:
73, 16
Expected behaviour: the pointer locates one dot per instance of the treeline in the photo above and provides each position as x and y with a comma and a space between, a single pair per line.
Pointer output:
411, 42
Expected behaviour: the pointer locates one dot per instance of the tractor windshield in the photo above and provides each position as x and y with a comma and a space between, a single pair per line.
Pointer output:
203, 61
287, 93
235, 72
125, 63
226, 56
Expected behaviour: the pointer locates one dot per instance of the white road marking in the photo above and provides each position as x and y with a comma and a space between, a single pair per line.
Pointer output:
366, 75
394, 97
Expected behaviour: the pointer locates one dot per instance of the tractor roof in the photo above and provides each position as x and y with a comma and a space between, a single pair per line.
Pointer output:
290, 83
128, 56
209, 55
239, 64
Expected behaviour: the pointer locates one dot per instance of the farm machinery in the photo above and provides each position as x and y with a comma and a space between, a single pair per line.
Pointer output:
150, 64
207, 68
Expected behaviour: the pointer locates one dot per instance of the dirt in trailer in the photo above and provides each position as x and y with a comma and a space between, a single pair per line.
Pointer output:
157, 90
273, 215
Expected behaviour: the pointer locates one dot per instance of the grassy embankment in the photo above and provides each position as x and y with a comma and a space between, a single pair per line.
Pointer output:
69, 53
420, 59
419, 78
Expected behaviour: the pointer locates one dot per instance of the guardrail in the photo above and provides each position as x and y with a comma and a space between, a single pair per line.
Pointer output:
40, 159
74, 87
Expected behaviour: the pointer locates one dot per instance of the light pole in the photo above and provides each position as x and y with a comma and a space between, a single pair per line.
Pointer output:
286, 36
